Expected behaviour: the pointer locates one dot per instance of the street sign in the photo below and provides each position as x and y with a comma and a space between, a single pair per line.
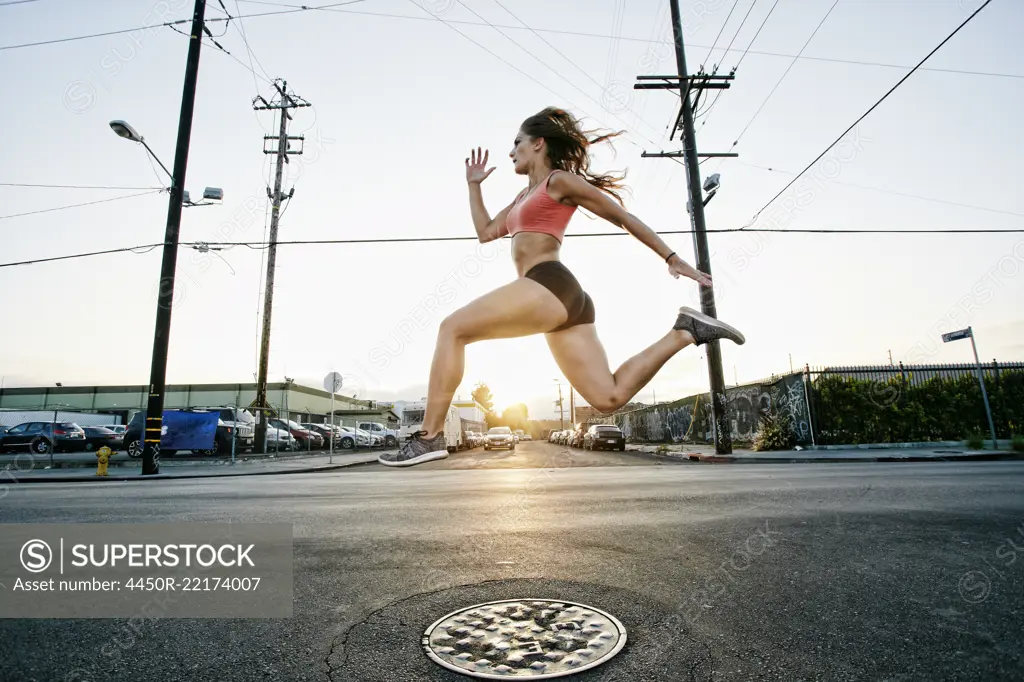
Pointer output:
332, 382
969, 334
957, 335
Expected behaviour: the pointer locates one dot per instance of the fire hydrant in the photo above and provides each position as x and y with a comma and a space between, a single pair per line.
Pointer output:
103, 455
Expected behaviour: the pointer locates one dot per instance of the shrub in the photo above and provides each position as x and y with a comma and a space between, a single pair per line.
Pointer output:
775, 433
975, 441
1017, 444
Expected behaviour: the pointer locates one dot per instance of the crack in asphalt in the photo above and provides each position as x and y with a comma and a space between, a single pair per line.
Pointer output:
711, 663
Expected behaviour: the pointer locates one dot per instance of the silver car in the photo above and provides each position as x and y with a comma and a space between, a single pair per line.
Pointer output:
500, 437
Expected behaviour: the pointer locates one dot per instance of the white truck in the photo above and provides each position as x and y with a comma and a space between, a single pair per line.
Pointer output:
412, 421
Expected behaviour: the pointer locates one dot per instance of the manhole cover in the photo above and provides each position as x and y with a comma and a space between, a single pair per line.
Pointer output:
524, 638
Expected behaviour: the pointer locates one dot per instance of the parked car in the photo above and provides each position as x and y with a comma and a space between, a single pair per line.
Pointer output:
42, 437
325, 432
238, 423
376, 441
604, 437
388, 436
352, 437
500, 437
527, 437
576, 437
308, 440
280, 440
98, 436
119, 429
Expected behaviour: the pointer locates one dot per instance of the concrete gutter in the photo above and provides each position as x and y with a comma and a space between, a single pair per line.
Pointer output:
849, 454
198, 471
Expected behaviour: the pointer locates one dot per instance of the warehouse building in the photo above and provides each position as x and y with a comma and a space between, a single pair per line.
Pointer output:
288, 400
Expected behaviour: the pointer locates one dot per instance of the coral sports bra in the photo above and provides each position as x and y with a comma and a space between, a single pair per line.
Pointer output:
538, 212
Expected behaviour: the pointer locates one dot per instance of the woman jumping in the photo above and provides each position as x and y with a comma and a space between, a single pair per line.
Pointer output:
552, 151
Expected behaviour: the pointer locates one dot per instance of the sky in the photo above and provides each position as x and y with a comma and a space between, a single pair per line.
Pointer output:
403, 89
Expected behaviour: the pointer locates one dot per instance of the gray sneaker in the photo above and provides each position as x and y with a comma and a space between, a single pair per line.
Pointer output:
416, 450
705, 328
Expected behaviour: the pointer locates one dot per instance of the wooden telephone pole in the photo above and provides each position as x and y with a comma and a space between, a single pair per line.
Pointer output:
694, 86
283, 102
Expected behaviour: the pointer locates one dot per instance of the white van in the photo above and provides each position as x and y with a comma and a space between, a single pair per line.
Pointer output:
412, 421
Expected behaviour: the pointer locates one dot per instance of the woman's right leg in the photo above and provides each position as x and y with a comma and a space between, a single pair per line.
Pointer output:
583, 361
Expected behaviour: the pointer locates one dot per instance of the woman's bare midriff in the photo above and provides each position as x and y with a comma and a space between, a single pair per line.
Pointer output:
531, 248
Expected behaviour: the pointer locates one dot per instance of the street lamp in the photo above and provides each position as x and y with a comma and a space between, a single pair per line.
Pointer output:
162, 327
210, 194
127, 132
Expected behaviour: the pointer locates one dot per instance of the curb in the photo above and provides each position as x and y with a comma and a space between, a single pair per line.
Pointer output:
165, 477
172, 462
811, 459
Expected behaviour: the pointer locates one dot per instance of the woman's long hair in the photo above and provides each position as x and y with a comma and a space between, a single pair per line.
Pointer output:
568, 146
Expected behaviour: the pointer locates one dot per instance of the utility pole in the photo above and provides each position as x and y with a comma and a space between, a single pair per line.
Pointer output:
890, 358
696, 85
162, 330
561, 410
284, 103
572, 407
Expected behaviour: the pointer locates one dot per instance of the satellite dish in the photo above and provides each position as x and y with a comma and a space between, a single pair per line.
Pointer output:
332, 382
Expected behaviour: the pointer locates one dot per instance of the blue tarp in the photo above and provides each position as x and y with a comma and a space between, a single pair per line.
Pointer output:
189, 430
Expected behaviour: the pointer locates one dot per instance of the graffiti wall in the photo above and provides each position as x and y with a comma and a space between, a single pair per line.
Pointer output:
689, 419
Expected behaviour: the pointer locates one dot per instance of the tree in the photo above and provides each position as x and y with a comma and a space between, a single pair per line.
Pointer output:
493, 420
482, 394
516, 417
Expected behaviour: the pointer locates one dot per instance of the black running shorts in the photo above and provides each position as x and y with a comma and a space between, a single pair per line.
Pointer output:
559, 281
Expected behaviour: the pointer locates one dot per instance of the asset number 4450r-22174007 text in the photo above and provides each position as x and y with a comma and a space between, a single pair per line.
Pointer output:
206, 584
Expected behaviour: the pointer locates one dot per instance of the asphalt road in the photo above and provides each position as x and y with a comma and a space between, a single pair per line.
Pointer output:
718, 572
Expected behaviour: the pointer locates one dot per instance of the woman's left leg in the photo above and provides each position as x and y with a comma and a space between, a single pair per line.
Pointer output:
521, 308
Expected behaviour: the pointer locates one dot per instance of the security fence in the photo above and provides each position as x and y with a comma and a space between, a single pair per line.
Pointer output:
911, 403
847, 406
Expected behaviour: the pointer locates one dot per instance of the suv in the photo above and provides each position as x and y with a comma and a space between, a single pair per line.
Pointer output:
232, 425
41, 437
388, 436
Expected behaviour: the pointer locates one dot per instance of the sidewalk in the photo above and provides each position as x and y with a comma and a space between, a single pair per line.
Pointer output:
938, 452
169, 469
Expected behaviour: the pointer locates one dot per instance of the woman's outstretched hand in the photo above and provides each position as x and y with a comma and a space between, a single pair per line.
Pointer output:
677, 266
476, 164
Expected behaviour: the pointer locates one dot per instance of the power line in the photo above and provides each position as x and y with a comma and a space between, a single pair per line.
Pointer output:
729, 48
786, 73
649, 41
330, 8
544, 64
172, 23
240, 27
720, 32
16, 2
144, 248
566, 58
516, 68
88, 203
754, 39
135, 249
897, 193
24, 184
866, 113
